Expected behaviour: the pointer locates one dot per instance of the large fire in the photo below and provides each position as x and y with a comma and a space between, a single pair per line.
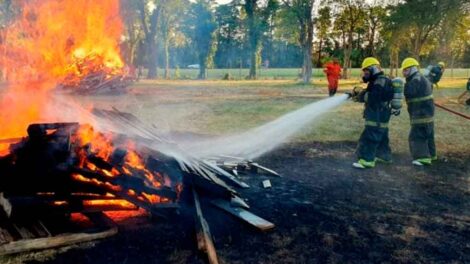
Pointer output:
50, 42
53, 43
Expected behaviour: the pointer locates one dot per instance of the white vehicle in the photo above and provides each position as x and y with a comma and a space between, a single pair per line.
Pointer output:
194, 66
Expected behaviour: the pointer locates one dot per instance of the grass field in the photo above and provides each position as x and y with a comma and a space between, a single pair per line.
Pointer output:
399, 211
277, 74
227, 107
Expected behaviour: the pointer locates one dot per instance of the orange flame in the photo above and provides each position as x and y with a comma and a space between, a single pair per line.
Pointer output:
52, 42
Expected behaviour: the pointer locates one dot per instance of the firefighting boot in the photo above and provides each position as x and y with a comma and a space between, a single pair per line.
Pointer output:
363, 164
422, 162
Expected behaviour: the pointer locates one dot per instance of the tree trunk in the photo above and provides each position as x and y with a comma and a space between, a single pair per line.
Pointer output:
253, 64
166, 58
320, 47
417, 44
371, 42
151, 45
152, 60
202, 67
253, 37
307, 74
347, 56
452, 66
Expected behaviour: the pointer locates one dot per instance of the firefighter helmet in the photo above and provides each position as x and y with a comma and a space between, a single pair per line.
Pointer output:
370, 61
409, 62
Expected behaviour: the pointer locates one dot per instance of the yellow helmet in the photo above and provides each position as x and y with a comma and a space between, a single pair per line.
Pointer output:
442, 64
369, 62
409, 62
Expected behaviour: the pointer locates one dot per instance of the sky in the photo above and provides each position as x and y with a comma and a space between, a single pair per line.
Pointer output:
223, 1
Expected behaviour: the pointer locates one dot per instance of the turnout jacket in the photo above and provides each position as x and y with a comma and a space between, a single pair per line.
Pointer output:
418, 95
377, 99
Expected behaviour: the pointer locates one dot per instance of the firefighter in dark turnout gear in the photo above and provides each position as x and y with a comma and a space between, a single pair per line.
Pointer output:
374, 142
434, 73
419, 97
468, 92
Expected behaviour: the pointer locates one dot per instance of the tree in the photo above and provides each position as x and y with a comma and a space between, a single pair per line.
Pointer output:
323, 24
204, 36
150, 12
421, 19
257, 21
173, 12
230, 35
454, 38
375, 16
350, 18
134, 34
303, 10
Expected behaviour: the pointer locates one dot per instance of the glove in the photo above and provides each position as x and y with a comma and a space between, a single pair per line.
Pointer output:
357, 90
396, 112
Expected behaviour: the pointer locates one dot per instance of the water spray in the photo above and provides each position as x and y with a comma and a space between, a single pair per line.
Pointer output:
262, 139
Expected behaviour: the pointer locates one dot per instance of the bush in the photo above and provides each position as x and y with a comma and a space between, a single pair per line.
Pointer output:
227, 77
177, 75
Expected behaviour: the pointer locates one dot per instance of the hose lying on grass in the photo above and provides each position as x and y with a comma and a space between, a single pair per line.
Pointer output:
452, 111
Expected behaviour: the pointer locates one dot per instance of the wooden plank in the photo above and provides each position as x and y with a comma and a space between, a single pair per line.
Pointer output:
23, 231
244, 215
204, 237
269, 171
5, 205
226, 175
55, 241
5, 236
40, 229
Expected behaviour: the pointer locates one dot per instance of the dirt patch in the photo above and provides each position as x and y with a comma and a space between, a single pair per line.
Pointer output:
324, 211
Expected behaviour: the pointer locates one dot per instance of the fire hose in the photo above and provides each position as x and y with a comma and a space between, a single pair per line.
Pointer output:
452, 111
354, 93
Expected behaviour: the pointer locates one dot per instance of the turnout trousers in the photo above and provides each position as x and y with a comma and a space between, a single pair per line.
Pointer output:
374, 143
421, 141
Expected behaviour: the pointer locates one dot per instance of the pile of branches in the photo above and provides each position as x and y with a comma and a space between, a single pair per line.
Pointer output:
90, 75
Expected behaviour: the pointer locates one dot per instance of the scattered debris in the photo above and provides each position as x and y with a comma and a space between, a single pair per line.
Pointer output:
244, 215
237, 165
267, 184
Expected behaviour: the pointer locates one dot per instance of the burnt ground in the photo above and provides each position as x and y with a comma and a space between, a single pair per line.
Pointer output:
324, 211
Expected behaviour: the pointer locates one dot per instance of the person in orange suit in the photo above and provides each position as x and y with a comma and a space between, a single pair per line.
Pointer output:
333, 73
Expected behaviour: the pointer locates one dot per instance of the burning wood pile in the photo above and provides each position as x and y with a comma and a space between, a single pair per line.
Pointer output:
90, 74
70, 167
64, 168
57, 171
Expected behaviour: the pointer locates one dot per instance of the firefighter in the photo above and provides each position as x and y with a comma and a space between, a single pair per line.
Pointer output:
333, 73
468, 92
374, 144
419, 97
434, 73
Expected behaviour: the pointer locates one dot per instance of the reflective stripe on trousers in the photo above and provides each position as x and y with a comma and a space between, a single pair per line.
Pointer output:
376, 124
420, 121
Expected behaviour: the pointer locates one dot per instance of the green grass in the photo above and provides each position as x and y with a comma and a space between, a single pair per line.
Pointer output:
225, 107
286, 73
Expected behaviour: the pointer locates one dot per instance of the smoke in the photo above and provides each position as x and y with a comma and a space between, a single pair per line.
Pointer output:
262, 139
